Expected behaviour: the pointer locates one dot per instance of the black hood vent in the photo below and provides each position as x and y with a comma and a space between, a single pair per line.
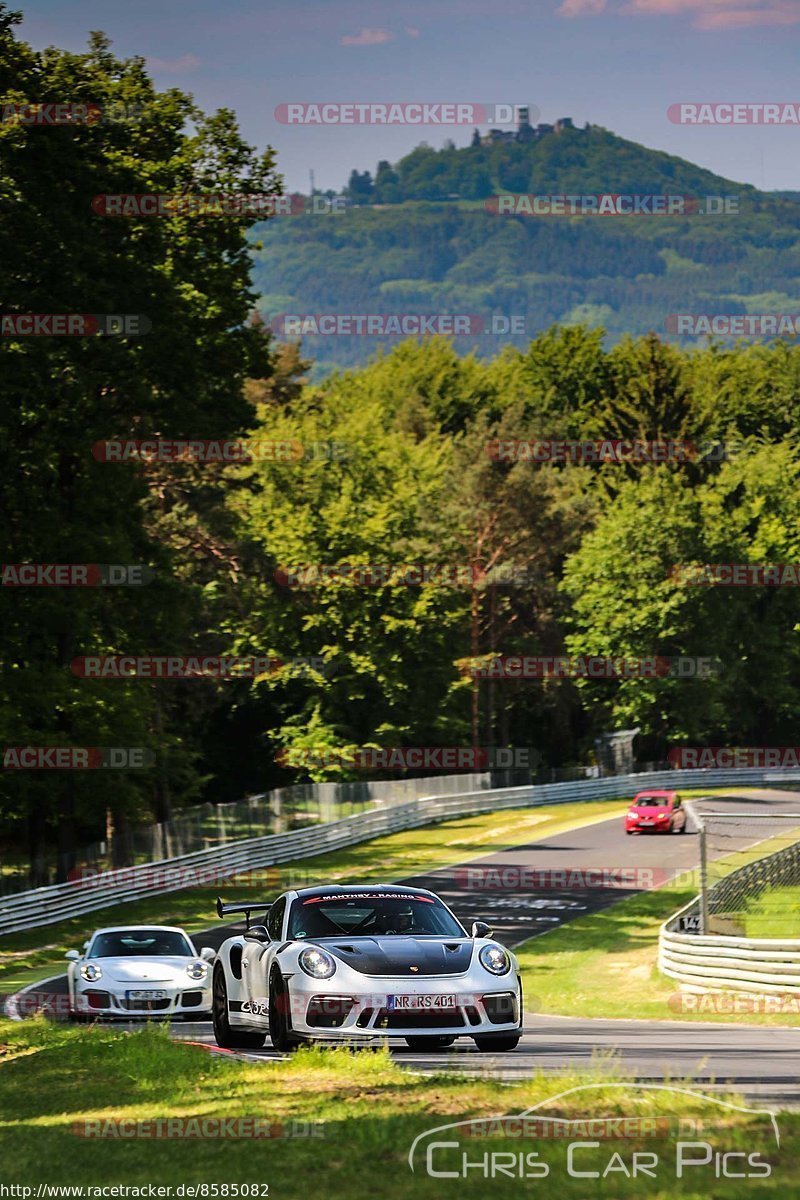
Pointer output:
399, 955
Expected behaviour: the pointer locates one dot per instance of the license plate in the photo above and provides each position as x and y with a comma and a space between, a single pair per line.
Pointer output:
645, 821
413, 1003
140, 994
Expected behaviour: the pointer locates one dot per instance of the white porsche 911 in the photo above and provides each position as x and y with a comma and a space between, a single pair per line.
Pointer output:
363, 962
139, 971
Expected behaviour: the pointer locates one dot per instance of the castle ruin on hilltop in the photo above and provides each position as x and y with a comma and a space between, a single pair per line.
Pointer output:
525, 132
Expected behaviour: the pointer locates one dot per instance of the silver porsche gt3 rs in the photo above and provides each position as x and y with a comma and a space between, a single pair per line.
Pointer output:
363, 962
131, 971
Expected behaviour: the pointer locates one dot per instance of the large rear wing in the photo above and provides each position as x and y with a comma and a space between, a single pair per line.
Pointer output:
224, 910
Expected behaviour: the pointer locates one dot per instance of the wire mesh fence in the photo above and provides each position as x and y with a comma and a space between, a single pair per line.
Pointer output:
750, 874
206, 826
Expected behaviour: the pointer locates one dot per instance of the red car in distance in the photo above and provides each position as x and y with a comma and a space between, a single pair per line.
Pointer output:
656, 811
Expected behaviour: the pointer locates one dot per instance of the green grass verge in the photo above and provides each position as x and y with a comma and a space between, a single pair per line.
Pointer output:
775, 914
32, 955
605, 965
365, 1111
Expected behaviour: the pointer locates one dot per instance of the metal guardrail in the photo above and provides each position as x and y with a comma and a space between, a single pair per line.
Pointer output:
209, 826
48, 905
743, 964
725, 961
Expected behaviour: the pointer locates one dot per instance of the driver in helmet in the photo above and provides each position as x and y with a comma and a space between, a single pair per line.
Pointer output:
402, 921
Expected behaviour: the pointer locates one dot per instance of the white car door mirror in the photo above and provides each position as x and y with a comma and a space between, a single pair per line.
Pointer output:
480, 929
207, 954
72, 955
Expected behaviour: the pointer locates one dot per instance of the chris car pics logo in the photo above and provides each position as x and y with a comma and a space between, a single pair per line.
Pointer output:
577, 1148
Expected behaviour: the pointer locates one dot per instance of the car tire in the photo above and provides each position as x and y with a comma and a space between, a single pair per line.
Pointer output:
280, 1021
491, 1042
425, 1042
226, 1036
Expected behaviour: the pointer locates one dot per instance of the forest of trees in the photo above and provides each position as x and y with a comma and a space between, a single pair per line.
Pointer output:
580, 161
411, 482
418, 237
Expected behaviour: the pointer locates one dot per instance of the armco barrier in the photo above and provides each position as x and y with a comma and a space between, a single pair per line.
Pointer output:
721, 961
48, 905
203, 826
744, 964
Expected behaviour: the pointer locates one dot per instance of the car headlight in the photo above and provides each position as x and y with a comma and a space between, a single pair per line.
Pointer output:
494, 960
317, 963
197, 970
90, 972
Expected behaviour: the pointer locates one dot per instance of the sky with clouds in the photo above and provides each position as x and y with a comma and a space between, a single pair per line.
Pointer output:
616, 63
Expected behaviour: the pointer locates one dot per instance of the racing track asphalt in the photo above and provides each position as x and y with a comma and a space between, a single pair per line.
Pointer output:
758, 1061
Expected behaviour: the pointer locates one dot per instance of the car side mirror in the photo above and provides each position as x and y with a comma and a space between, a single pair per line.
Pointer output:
207, 954
257, 933
480, 929
72, 955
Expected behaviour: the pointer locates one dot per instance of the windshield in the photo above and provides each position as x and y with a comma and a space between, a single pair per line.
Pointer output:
147, 943
651, 802
370, 914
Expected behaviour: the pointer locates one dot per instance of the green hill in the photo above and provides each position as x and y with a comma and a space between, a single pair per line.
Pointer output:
421, 238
